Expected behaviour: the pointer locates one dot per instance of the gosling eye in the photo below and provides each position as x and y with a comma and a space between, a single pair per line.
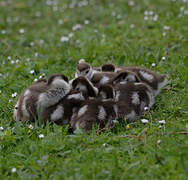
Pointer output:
86, 71
78, 89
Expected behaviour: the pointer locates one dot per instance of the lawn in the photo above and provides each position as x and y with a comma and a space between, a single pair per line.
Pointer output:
50, 36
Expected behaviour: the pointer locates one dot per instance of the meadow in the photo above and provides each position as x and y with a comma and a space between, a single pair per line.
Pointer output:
43, 37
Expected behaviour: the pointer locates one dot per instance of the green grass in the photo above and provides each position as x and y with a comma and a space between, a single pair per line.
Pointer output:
122, 153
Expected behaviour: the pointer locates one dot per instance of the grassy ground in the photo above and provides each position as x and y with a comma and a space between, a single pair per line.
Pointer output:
117, 31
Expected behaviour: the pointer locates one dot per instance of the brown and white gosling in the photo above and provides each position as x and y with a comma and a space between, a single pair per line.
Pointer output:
39, 96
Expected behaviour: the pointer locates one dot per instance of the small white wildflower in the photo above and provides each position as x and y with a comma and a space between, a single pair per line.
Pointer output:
71, 35
77, 41
118, 16
42, 76
35, 80
41, 136
166, 27
55, 8
86, 21
160, 127
3, 32
163, 58
1, 128
14, 95
132, 25
64, 39
146, 18
30, 126
28, 59
32, 43
162, 122
76, 27
36, 54
131, 3
164, 34
8, 58
32, 72
13, 170
21, 31
41, 41
12, 62
158, 141
153, 64
145, 121
155, 18
146, 13
186, 12
0, 91
17, 61
182, 8
151, 13
104, 145
60, 21
113, 14
146, 108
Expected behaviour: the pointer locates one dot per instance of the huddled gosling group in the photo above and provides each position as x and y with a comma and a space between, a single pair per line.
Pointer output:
96, 97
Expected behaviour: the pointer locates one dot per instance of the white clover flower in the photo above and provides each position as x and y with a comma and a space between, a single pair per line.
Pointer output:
145, 121
113, 14
1, 128
182, 8
146, 13
28, 59
146, 18
30, 126
8, 58
41, 41
32, 72
32, 43
38, 14
41, 136
131, 3
35, 80
155, 18
60, 21
163, 58
36, 54
86, 21
186, 12
164, 34
150, 13
160, 127
166, 27
21, 31
118, 16
153, 64
12, 62
3, 32
42, 76
17, 61
64, 39
55, 8
158, 141
14, 95
13, 170
104, 145
76, 27
71, 35
146, 108
162, 122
